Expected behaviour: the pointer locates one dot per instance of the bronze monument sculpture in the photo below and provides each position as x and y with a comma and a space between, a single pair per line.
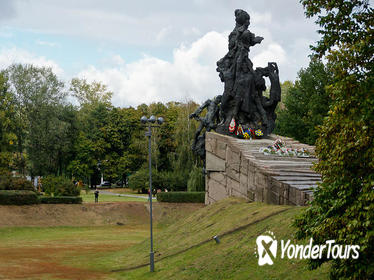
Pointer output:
243, 111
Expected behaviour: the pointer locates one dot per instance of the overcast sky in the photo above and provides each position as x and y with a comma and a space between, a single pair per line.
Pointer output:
148, 51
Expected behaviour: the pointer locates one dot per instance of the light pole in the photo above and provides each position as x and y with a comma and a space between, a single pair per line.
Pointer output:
150, 121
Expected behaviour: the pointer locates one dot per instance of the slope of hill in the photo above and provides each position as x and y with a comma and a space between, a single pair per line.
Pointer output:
186, 250
184, 247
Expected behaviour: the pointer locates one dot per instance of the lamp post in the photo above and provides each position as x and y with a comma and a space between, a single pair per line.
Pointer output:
150, 121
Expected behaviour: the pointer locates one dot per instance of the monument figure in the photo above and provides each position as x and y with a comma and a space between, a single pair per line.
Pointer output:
242, 98
243, 110
210, 120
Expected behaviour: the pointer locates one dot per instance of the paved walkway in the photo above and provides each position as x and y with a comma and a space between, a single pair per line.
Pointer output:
126, 195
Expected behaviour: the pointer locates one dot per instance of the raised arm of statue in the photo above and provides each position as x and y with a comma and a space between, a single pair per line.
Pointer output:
200, 109
257, 40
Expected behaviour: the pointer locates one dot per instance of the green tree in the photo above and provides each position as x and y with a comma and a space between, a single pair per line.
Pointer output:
305, 104
343, 206
8, 137
39, 103
196, 180
91, 147
90, 93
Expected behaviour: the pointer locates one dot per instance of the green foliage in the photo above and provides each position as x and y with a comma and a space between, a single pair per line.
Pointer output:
60, 199
8, 137
306, 104
173, 180
41, 134
59, 186
343, 207
9, 182
160, 180
89, 94
181, 197
196, 180
44, 123
18, 197
140, 179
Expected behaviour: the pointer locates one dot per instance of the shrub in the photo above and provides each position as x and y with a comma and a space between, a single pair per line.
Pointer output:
18, 197
140, 179
181, 197
196, 180
172, 180
175, 181
59, 186
61, 200
9, 182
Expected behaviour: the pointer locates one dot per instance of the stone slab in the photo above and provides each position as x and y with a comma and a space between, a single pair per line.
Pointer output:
221, 149
236, 168
214, 163
216, 190
219, 177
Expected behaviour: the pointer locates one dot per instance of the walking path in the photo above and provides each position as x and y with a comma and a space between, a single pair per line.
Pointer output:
126, 195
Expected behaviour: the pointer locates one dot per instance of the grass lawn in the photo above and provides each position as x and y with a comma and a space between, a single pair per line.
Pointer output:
55, 253
125, 191
184, 248
90, 197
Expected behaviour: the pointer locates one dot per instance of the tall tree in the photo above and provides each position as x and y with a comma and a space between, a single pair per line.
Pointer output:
7, 125
38, 96
343, 206
305, 104
90, 93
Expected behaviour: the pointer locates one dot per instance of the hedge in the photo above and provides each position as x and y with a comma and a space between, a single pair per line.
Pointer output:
18, 197
60, 199
9, 182
59, 186
193, 197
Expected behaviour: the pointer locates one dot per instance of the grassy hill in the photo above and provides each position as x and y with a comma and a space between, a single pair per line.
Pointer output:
184, 248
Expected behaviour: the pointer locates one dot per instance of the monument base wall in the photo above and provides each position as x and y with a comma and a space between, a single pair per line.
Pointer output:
235, 167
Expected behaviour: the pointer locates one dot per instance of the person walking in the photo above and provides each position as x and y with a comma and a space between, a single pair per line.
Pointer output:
96, 196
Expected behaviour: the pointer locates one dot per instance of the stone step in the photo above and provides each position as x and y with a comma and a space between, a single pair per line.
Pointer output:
305, 187
270, 178
299, 183
296, 178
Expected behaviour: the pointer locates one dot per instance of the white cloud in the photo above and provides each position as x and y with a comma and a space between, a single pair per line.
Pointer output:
45, 43
190, 75
261, 18
273, 53
163, 33
15, 55
113, 61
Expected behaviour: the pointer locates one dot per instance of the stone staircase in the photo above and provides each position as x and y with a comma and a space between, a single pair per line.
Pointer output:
235, 167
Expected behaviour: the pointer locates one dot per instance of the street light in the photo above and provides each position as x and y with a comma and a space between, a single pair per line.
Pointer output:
150, 121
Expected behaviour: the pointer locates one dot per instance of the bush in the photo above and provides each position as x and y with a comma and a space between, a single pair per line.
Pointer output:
9, 182
175, 181
196, 180
18, 197
61, 200
59, 186
181, 197
140, 179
